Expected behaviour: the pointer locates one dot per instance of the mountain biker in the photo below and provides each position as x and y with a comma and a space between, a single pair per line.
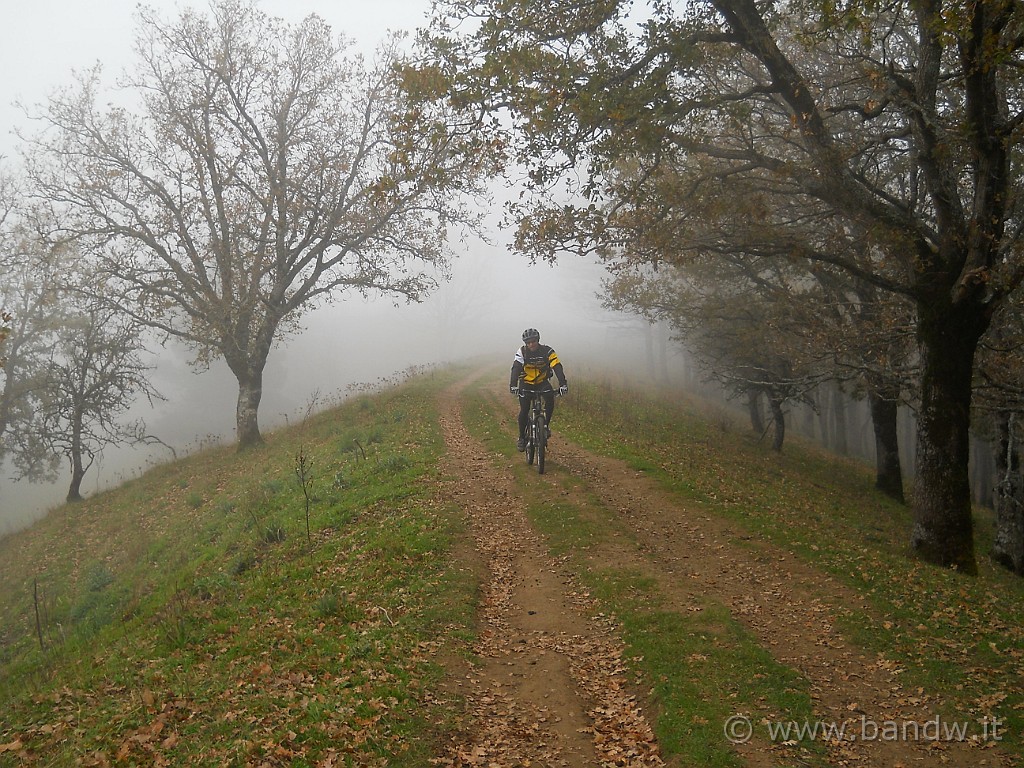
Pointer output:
531, 377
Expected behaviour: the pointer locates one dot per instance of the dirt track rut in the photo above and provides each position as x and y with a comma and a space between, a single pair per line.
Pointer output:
549, 688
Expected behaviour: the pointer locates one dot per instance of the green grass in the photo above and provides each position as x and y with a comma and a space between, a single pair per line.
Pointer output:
957, 635
186, 617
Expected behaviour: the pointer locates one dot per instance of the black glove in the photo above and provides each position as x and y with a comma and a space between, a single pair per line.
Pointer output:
563, 389
514, 390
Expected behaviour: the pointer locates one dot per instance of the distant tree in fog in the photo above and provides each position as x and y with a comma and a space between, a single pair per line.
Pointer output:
24, 385
741, 323
95, 374
8, 195
72, 370
5, 331
776, 330
265, 173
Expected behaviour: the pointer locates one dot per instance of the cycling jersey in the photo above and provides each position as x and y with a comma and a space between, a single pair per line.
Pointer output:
536, 367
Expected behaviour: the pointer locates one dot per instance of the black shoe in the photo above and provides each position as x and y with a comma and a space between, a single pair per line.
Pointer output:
521, 444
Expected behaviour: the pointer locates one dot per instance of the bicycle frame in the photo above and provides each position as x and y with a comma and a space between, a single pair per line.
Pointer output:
536, 427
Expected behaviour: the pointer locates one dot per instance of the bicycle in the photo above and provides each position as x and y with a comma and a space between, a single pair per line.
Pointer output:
536, 428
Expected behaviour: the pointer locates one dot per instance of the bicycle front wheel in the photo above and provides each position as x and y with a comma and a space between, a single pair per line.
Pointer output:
542, 442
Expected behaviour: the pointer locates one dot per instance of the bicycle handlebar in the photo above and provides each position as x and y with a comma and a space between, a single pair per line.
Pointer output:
520, 392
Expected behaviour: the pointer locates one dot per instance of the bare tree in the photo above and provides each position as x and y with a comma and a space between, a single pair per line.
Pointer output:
266, 173
72, 369
96, 373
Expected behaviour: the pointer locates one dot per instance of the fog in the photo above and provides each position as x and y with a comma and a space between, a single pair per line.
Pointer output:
478, 315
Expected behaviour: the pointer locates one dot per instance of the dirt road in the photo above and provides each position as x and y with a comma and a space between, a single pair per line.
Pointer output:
548, 685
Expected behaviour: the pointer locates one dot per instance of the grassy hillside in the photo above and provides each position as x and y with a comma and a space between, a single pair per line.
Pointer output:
187, 618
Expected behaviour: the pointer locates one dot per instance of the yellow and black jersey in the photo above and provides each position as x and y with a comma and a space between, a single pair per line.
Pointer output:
536, 367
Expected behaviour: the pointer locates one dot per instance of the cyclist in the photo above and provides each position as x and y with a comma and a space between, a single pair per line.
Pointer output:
532, 368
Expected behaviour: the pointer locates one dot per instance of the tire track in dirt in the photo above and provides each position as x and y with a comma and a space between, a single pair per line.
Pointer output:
790, 607
548, 687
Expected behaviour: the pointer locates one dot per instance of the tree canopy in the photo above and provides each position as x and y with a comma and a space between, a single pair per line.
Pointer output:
787, 131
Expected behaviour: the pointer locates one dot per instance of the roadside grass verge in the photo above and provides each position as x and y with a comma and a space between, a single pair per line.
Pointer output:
191, 617
696, 669
959, 638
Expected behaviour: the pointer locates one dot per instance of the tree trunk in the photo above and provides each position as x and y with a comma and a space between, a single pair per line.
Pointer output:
754, 408
663, 347
983, 471
77, 466
822, 410
250, 392
779, 420
1008, 547
77, 475
840, 442
888, 469
943, 532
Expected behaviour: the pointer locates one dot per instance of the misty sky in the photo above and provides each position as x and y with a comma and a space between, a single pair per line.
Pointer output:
494, 294
41, 41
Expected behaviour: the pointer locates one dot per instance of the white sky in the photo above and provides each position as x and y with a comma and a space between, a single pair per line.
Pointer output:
41, 41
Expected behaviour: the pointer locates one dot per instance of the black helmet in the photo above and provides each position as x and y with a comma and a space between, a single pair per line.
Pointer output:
530, 334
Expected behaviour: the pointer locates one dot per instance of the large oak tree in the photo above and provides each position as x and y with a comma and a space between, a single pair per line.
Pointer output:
249, 171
